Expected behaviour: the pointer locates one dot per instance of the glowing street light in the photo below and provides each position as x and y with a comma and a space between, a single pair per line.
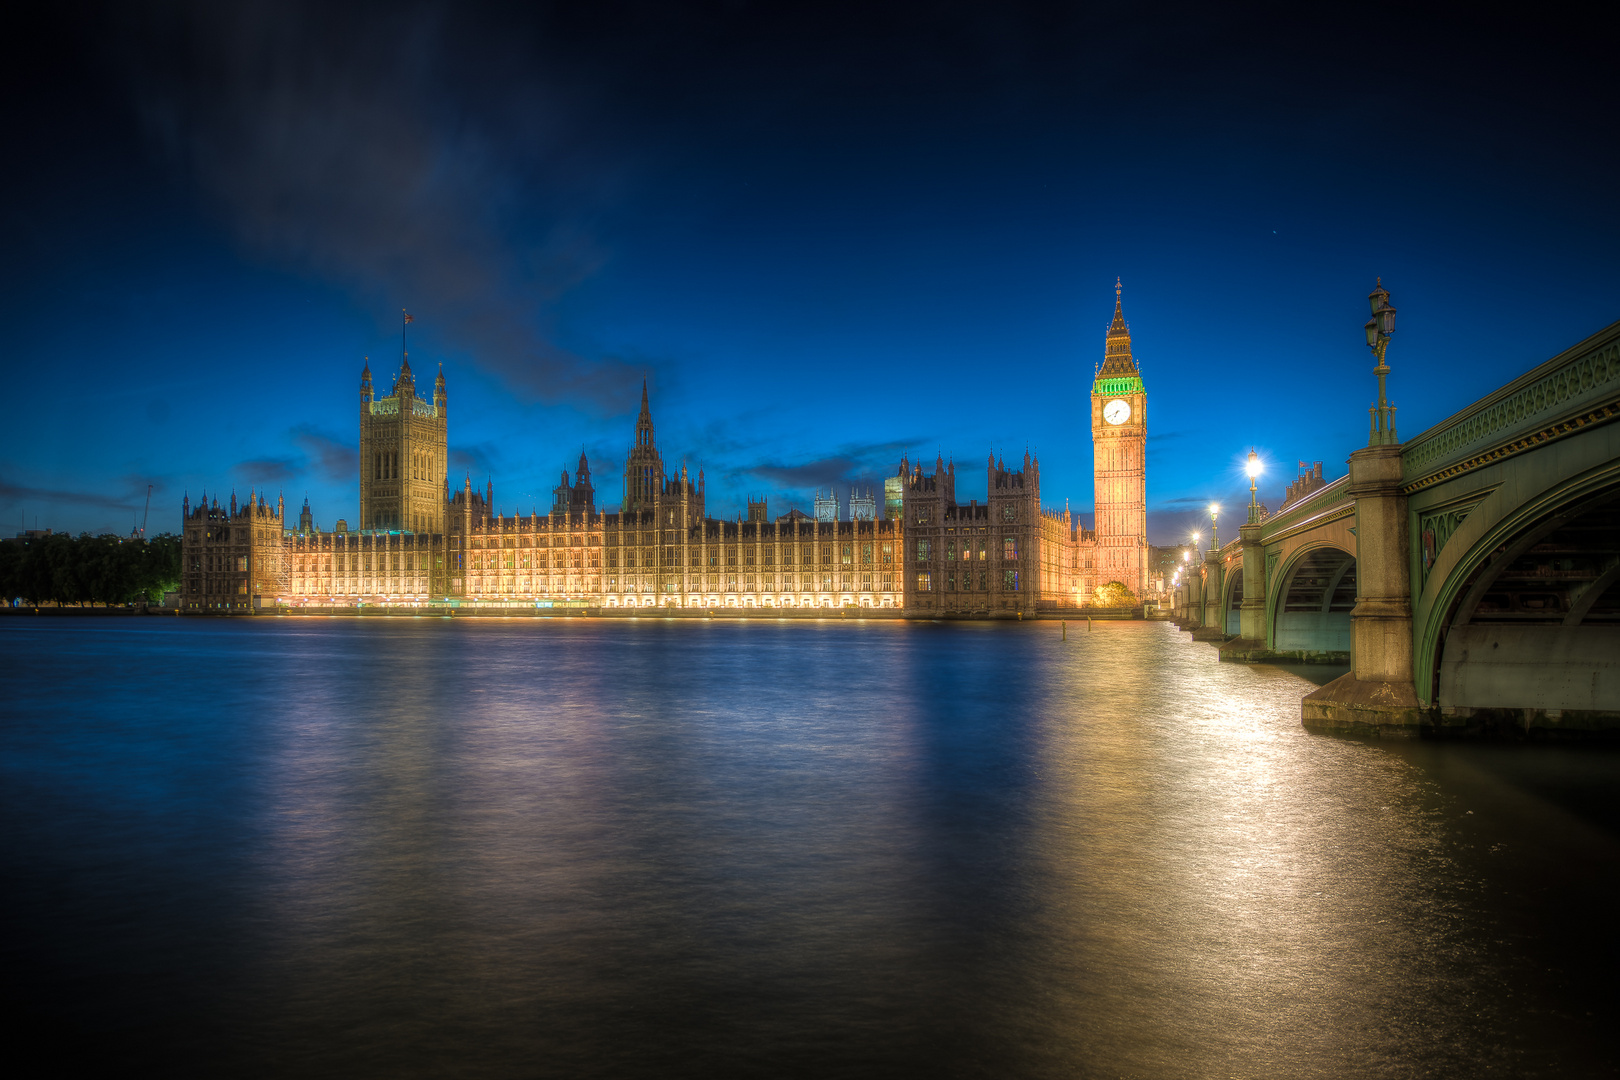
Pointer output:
1253, 469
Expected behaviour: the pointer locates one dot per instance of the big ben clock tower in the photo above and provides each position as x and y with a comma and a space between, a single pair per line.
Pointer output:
1119, 445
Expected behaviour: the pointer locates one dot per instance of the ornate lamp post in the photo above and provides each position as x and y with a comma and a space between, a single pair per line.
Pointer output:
1253, 469
1214, 533
1379, 328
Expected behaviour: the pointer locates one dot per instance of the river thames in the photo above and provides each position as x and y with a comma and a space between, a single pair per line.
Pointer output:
639, 848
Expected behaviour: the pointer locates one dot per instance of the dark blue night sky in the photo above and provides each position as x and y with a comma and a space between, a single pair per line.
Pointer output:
825, 234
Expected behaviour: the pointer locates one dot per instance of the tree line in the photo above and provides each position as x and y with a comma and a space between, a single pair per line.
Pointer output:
87, 569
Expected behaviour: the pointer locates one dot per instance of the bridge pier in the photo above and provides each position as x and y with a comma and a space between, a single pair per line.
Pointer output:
1377, 696
1250, 646
1193, 612
1212, 623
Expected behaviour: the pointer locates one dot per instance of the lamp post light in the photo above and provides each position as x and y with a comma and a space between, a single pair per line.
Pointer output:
1379, 328
1214, 533
1253, 469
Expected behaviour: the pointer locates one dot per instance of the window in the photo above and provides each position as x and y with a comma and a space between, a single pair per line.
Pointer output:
1010, 580
925, 583
922, 551
1009, 549
888, 553
866, 554
950, 551
846, 554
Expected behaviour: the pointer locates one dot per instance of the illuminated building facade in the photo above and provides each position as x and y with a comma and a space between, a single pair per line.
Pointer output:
928, 553
403, 455
1011, 556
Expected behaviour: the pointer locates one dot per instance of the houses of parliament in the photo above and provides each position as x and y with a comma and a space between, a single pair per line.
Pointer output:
420, 544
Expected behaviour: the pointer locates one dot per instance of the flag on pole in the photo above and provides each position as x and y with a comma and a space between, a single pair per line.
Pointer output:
1301, 464
409, 317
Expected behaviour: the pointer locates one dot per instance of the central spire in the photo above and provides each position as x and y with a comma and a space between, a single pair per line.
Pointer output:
1117, 358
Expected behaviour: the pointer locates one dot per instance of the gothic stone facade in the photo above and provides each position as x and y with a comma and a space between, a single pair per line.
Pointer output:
1010, 556
930, 555
403, 456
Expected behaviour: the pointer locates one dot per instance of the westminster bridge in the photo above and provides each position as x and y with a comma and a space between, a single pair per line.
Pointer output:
1470, 576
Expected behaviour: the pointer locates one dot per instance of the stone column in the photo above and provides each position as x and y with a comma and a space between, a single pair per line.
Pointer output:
1253, 614
1377, 696
1381, 622
1214, 619
1250, 644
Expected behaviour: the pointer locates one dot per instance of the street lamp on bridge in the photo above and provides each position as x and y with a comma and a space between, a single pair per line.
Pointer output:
1379, 328
1253, 469
1214, 533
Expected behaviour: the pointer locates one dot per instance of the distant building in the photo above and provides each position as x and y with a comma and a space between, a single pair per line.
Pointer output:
894, 496
826, 505
862, 505
1310, 479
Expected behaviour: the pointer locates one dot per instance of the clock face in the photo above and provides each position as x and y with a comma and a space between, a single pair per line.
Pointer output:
1117, 411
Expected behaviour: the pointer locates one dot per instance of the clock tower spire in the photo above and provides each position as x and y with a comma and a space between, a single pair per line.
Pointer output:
1119, 456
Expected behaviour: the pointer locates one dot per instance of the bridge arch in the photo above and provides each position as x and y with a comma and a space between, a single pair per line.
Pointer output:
1312, 600
1232, 600
1525, 626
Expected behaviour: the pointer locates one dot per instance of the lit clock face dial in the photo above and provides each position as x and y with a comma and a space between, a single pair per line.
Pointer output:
1117, 411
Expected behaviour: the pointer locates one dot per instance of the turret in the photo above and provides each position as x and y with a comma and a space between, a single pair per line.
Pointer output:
644, 424
365, 382
439, 397
405, 385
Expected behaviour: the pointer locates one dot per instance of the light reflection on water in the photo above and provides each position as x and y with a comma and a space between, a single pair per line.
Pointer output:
605, 848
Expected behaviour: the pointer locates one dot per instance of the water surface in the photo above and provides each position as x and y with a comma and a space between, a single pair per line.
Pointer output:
646, 848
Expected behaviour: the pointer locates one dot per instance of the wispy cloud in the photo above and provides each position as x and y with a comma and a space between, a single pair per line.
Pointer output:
132, 495
473, 459
261, 471
333, 458
373, 147
848, 464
